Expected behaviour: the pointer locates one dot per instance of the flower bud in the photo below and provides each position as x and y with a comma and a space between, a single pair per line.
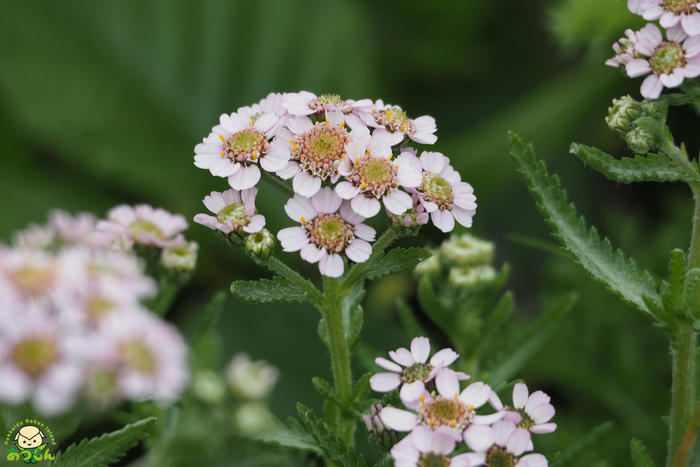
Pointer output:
252, 380
640, 141
252, 418
468, 277
208, 386
467, 250
623, 113
182, 257
260, 243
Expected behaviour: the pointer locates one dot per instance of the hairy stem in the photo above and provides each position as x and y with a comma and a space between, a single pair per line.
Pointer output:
688, 441
332, 310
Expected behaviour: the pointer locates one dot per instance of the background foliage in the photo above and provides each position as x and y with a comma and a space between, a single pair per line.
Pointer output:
102, 102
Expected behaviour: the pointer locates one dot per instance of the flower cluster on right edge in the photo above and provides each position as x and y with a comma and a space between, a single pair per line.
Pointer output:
439, 416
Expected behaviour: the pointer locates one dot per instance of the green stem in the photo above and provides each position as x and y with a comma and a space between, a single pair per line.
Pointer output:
332, 310
689, 437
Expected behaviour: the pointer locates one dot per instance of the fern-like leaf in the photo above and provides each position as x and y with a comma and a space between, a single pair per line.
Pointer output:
595, 253
277, 289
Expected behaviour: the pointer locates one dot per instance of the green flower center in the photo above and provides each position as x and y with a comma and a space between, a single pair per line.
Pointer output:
667, 57
433, 460
395, 119
325, 145
98, 306
320, 149
416, 372
330, 231
681, 6
102, 387
144, 227
374, 175
138, 355
525, 420
32, 280
443, 411
333, 99
497, 456
233, 215
437, 190
35, 354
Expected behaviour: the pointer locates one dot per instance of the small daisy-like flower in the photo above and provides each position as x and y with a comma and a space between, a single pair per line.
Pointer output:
34, 276
395, 120
307, 103
79, 230
443, 194
670, 13
34, 237
411, 369
448, 408
328, 228
414, 217
39, 363
501, 444
147, 355
252, 380
667, 63
372, 177
624, 50
181, 257
237, 145
317, 149
531, 412
425, 447
234, 211
145, 225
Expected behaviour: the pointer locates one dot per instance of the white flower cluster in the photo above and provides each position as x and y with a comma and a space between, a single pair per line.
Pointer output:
345, 159
439, 416
71, 320
666, 61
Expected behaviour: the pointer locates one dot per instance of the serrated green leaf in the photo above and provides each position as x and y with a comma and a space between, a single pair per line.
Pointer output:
690, 291
106, 449
331, 444
290, 435
324, 388
649, 168
362, 387
357, 316
568, 456
640, 456
277, 289
395, 261
323, 331
595, 253
528, 342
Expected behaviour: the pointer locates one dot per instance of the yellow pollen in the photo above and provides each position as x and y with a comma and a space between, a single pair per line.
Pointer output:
222, 138
223, 154
456, 395
388, 114
363, 186
471, 408
303, 221
453, 423
326, 122
357, 160
374, 112
250, 122
396, 165
390, 156
403, 127
422, 399
432, 422
253, 156
342, 124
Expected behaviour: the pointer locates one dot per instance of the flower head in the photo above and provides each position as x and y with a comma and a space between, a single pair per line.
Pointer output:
425, 447
684, 14
411, 370
234, 211
624, 50
180, 257
328, 228
395, 120
252, 380
529, 411
667, 63
308, 103
501, 444
145, 225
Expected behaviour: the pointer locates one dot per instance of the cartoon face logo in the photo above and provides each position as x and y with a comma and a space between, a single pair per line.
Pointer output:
29, 437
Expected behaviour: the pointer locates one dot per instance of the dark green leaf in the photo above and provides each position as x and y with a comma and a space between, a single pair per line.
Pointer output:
395, 261
333, 447
291, 435
362, 387
649, 168
611, 267
277, 289
106, 449
568, 456
640, 456
408, 319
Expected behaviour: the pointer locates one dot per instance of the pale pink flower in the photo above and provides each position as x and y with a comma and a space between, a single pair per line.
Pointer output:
423, 446
34, 237
143, 224
394, 119
624, 50
411, 370
371, 177
450, 408
79, 230
234, 211
237, 145
317, 149
328, 228
413, 217
531, 412
38, 363
443, 194
667, 63
683, 13
501, 444
307, 103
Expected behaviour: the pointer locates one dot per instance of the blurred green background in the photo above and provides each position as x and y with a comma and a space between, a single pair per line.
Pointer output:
102, 102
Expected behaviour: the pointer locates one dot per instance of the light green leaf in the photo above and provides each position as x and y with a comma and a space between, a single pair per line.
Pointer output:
568, 456
595, 253
362, 387
323, 331
649, 168
277, 289
106, 449
333, 447
640, 456
290, 435
395, 261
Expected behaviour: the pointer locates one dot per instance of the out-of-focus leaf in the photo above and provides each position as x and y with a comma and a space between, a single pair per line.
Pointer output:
595, 253
277, 289
648, 168
408, 319
640, 456
107, 449
290, 434
586, 22
568, 455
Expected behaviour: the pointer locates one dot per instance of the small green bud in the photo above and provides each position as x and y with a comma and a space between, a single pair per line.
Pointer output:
252, 418
640, 141
182, 257
208, 386
654, 109
468, 277
623, 113
467, 250
260, 244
